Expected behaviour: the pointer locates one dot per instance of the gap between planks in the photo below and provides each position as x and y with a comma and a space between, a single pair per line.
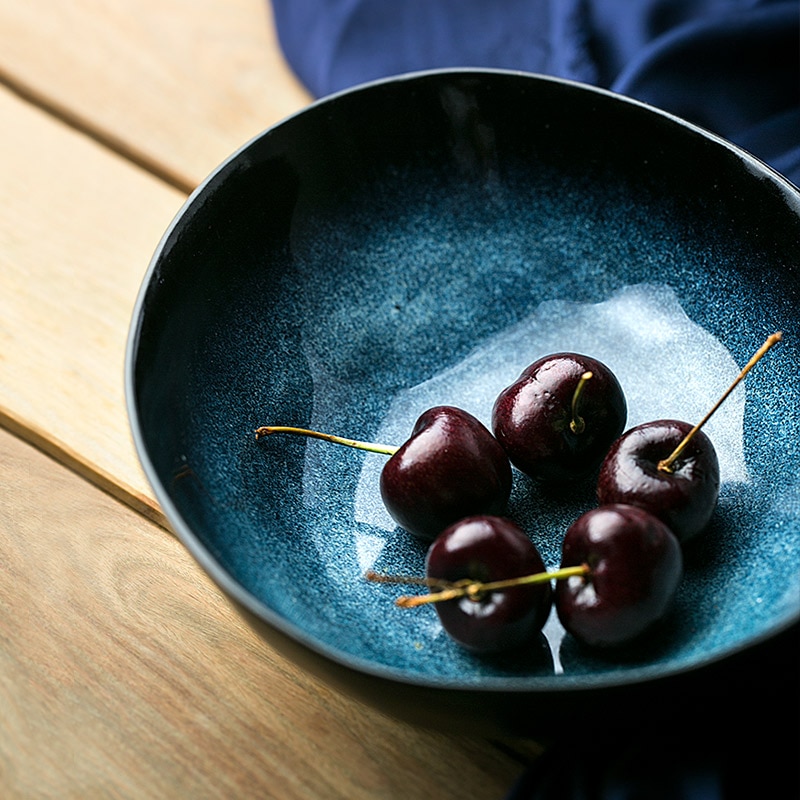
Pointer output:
48, 443
103, 137
44, 440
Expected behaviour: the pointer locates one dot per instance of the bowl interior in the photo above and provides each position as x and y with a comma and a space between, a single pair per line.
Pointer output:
419, 241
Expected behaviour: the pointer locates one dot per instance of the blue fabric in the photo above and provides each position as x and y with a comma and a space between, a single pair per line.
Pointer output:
732, 66
638, 768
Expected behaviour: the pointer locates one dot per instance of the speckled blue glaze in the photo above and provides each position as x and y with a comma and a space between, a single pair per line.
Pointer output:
374, 241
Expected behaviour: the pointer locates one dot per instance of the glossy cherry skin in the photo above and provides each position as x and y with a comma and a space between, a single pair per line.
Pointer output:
685, 498
636, 565
488, 548
450, 467
531, 417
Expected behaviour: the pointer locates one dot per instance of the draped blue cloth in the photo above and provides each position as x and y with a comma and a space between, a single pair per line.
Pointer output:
732, 66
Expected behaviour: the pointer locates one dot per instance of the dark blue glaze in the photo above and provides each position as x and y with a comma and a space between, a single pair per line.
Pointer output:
372, 242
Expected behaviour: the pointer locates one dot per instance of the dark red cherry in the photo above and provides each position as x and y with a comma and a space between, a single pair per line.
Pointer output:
485, 549
554, 423
451, 467
635, 566
670, 468
683, 496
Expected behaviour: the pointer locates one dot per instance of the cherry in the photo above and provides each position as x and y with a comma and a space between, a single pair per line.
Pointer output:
485, 549
669, 468
449, 468
635, 566
683, 497
558, 419
481, 616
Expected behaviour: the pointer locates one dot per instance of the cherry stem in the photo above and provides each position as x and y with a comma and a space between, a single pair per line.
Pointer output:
268, 430
577, 423
469, 588
665, 465
434, 583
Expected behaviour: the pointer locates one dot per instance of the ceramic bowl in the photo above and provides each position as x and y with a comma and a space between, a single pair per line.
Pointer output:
418, 241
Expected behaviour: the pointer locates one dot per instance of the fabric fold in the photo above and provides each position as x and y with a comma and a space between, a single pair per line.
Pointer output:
731, 66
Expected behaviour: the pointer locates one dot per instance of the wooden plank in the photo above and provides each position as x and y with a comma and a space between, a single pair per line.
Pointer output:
78, 228
125, 673
176, 85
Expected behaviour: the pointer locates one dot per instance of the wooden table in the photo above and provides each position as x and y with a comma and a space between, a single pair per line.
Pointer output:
123, 670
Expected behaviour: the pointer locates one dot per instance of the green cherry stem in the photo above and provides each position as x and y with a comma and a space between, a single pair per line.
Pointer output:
268, 430
577, 424
665, 465
469, 588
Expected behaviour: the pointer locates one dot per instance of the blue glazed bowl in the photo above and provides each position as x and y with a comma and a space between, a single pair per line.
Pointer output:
419, 241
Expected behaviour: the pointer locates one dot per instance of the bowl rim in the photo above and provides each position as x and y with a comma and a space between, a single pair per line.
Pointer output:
517, 684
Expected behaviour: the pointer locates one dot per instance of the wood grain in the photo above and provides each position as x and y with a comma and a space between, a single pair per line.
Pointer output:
175, 85
125, 673
107, 101
78, 227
